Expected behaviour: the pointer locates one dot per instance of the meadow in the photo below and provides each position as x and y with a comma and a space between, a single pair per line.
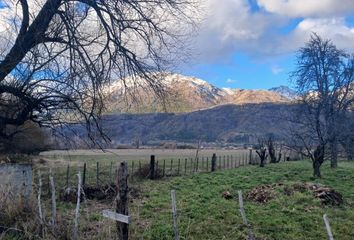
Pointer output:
203, 213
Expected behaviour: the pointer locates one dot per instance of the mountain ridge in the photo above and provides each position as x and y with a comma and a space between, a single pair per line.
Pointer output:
186, 94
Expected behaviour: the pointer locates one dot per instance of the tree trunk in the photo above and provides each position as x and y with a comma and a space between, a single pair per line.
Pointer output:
316, 169
334, 154
317, 160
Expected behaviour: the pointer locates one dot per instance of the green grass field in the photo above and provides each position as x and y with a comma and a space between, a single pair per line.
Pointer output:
204, 214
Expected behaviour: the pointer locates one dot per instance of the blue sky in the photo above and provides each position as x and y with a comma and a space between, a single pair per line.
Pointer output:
252, 44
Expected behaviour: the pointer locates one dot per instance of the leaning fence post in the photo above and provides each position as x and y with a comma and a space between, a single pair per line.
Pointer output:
54, 204
122, 199
213, 162
250, 160
328, 227
40, 211
244, 219
174, 214
77, 210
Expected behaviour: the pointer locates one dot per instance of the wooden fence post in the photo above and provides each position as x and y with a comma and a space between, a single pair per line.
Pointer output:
179, 166
174, 214
250, 158
207, 164
67, 176
213, 162
171, 167
185, 166
84, 175
77, 209
244, 219
197, 164
152, 167
164, 166
328, 227
40, 210
122, 199
97, 173
54, 204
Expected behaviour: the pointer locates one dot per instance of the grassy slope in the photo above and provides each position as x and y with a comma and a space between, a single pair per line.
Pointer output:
204, 214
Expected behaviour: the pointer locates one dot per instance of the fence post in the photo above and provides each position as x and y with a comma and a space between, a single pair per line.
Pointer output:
192, 165
171, 167
152, 167
84, 176
54, 204
67, 176
122, 199
250, 160
179, 165
97, 173
207, 164
77, 209
197, 164
328, 227
244, 219
174, 214
110, 173
213, 162
164, 165
185, 166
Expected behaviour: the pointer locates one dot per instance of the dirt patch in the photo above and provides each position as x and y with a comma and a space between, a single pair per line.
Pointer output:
327, 196
265, 193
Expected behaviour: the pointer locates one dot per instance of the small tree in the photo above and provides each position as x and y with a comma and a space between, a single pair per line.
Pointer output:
271, 150
261, 151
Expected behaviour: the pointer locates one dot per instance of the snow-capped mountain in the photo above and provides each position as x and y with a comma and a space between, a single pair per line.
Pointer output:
184, 94
284, 91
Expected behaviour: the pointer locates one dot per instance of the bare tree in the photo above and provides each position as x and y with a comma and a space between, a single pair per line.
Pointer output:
261, 151
324, 79
271, 150
56, 56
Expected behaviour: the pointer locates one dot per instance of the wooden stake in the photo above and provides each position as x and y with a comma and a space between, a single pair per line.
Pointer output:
122, 200
152, 167
97, 173
84, 175
185, 166
244, 219
213, 162
328, 227
77, 210
67, 176
40, 211
54, 203
174, 214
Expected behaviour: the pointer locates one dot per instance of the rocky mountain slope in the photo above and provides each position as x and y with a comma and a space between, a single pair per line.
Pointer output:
186, 94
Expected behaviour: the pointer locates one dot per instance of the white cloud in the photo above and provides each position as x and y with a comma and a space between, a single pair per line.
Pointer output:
307, 8
230, 81
276, 70
231, 26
